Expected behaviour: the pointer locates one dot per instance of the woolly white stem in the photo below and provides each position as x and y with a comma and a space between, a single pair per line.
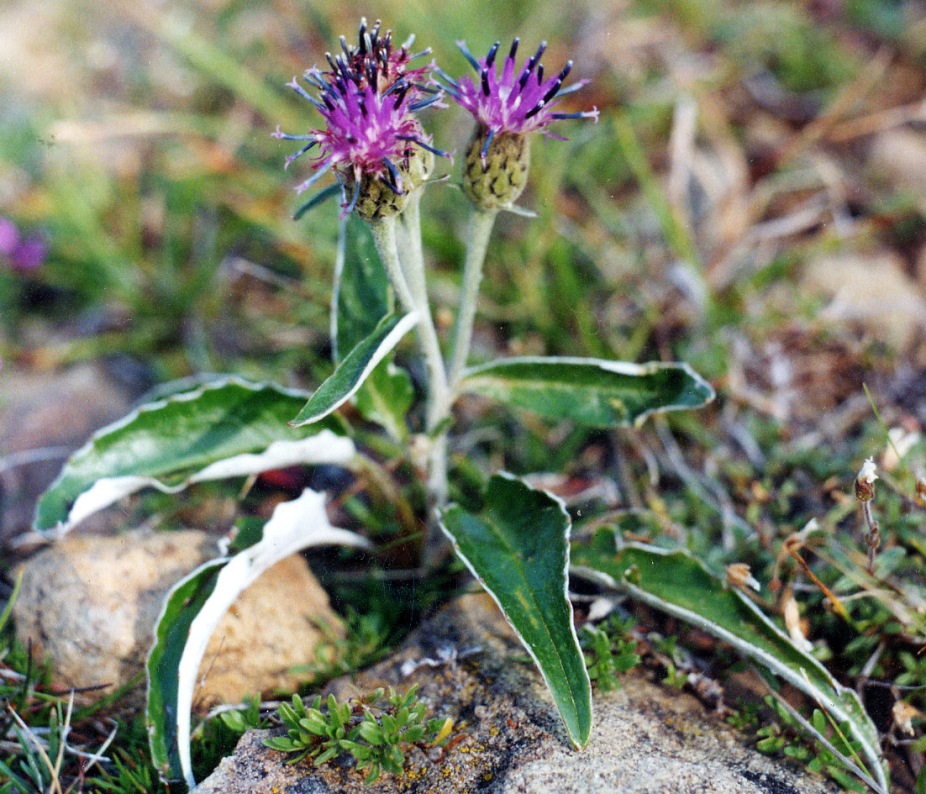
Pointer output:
480, 229
410, 286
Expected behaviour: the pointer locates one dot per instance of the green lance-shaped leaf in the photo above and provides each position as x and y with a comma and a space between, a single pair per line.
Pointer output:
386, 398
590, 391
227, 428
678, 584
193, 610
356, 368
518, 549
362, 295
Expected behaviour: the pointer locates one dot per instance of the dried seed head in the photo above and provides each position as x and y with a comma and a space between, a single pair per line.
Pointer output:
865, 481
740, 576
903, 715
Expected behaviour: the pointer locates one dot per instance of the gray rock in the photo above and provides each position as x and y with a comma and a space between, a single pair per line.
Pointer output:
89, 604
44, 416
508, 738
871, 290
897, 159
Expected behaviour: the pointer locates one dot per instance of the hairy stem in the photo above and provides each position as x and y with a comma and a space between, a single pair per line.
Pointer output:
408, 278
480, 229
384, 236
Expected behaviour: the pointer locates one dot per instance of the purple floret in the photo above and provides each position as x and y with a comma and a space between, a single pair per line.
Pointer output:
519, 100
9, 236
367, 98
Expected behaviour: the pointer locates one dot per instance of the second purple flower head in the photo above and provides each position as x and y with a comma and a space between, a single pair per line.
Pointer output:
507, 108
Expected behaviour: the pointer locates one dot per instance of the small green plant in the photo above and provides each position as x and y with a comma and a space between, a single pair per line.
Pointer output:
402, 440
216, 736
790, 738
513, 537
671, 658
130, 772
40, 758
375, 730
609, 651
745, 718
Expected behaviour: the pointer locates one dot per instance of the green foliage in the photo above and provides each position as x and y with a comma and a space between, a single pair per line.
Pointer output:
588, 391
217, 736
190, 256
130, 770
746, 718
675, 677
375, 730
680, 585
365, 640
35, 768
788, 737
610, 650
356, 367
518, 548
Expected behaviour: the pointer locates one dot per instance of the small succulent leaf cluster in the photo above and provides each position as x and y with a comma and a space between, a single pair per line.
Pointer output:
610, 651
788, 737
375, 730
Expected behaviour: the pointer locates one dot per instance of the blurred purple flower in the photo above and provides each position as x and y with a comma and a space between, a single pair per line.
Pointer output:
29, 254
21, 253
9, 236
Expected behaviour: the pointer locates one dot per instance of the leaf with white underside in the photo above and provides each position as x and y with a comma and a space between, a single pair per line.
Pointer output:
196, 605
386, 398
593, 392
518, 549
678, 584
356, 368
228, 428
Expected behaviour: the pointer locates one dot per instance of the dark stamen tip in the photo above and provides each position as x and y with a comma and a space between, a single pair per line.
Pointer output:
490, 58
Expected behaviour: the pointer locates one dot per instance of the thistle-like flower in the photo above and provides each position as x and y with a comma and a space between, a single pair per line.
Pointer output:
372, 142
507, 108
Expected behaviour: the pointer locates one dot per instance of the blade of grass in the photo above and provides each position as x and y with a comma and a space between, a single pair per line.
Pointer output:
677, 236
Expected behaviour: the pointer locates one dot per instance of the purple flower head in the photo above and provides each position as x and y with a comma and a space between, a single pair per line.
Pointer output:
21, 253
519, 100
368, 100
375, 59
